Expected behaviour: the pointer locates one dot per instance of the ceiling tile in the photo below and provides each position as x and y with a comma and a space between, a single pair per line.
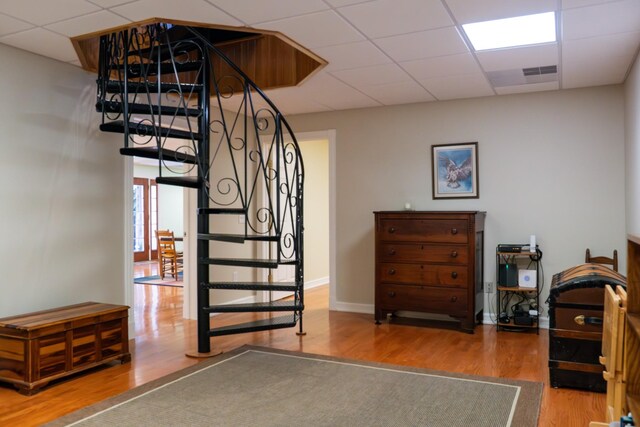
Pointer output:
571, 4
425, 44
398, 93
614, 55
442, 66
110, 3
519, 57
10, 25
41, 12
535, 87
382, 18
291, 101
464, 86
268, 10
188, 10
374, 75
465, 11
608, 18
43, 42
352, 55
87, 23
316, 30
333, 93
339, 3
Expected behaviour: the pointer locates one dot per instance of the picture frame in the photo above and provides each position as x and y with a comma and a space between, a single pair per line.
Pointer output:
454, 171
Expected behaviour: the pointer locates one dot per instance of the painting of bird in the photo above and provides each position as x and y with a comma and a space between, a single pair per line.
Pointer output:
456, 174
455, 170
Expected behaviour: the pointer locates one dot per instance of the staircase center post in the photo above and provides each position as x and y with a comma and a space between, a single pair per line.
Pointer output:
204, 342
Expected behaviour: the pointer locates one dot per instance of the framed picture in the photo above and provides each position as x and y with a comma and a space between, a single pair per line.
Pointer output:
454, 168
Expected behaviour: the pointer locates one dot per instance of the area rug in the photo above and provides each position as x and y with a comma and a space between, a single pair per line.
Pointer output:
255, 386
156, 280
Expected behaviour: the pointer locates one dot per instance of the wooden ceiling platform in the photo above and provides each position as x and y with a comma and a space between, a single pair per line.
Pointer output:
269, 58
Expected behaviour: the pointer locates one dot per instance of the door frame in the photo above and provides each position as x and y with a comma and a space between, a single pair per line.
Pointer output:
330, 136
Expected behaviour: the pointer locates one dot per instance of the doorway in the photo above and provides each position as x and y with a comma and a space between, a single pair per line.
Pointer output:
317, 236
145, 219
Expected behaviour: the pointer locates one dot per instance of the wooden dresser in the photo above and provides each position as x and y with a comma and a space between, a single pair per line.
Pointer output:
430, 262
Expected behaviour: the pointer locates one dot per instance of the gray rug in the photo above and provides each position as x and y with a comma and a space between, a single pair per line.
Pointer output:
254, 386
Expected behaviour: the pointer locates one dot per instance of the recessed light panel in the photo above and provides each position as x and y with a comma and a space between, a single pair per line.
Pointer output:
511, 32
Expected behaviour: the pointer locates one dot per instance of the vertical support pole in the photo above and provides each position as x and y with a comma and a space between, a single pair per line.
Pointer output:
300, 236
204, 341
125, 90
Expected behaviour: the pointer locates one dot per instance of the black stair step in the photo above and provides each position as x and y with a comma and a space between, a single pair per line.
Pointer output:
116, 86
258, 307
151, 68
143, 129
221, 211
180, 181
254, 286
258, 325
242, 262
154, 153
147, 109
237, 238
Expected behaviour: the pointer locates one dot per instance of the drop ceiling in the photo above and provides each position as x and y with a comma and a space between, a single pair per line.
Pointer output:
380, 52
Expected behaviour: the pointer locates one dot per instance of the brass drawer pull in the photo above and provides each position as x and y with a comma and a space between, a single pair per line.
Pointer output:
454, 274
391, 294
582, 320
454, 254
392, 251
454, 298
392, 230
392, 271
454, 231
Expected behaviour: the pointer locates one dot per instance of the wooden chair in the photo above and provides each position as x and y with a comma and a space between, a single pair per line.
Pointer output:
169, 259
603, 259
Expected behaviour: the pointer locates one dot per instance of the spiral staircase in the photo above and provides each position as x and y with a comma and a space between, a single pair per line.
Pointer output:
178, 98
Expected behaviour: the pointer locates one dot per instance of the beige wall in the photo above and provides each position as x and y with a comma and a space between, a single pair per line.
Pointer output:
61, 192
632, 146
551, 164
316, 211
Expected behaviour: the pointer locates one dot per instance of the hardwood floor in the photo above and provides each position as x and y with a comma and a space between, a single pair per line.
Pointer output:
162, 338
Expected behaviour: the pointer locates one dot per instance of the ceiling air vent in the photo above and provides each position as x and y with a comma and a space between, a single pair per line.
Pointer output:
523, 76
537, 71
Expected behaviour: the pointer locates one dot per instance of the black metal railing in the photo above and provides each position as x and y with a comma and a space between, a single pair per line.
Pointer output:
181, 97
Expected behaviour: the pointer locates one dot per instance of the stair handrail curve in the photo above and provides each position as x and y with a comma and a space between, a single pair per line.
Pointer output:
295, 222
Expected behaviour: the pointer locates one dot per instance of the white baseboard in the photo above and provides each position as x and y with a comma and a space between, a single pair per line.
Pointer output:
354, 308
309, 284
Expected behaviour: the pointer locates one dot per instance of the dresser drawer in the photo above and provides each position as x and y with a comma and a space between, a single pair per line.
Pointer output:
422, 298
396, 252
424, 230
421, 274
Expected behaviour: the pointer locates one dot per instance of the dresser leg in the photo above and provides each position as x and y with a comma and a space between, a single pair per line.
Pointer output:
467, 325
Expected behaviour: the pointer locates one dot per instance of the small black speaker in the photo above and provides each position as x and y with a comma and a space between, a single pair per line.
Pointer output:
508, 275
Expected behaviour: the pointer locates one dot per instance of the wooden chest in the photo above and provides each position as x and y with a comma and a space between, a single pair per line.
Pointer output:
39, 347
430, 262
576, 308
